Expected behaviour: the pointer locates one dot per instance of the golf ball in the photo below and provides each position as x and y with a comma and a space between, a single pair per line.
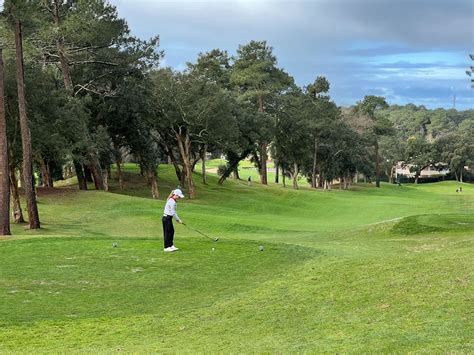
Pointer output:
114, 245
213, 249
260, 248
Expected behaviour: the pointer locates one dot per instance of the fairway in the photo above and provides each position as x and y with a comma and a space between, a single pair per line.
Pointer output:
363, 270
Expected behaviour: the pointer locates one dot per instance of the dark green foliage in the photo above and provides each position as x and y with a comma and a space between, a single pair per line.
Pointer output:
471, 69
419, 154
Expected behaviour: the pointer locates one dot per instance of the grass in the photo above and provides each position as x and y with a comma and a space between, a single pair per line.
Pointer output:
366, 270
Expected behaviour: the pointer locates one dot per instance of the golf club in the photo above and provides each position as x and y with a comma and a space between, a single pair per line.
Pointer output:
201, 233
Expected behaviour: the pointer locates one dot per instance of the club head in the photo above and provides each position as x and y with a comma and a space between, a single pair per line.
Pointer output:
216, 239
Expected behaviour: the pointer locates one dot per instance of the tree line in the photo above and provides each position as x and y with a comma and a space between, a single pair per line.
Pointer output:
79, 93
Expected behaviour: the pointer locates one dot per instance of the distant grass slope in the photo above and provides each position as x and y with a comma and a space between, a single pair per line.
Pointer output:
365, 270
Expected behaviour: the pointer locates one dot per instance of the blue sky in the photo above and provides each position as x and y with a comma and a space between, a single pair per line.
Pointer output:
406, 50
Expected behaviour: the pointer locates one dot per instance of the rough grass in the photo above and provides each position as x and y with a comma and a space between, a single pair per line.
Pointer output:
367, 270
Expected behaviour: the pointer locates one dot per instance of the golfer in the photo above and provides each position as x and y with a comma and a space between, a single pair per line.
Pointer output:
168, 214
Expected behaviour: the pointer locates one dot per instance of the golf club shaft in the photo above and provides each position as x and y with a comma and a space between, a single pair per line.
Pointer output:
201, 233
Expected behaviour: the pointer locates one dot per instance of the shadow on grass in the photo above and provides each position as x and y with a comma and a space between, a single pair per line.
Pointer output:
434, 223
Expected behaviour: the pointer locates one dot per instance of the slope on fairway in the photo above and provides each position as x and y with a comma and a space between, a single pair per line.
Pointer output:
342, 271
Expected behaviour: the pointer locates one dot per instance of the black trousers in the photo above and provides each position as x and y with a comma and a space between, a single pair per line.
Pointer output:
168, 230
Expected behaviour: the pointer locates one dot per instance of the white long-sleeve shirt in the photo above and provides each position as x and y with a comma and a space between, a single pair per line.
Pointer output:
170, 209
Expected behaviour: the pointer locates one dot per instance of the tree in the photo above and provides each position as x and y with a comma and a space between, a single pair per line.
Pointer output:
4, 168
14, 137
94, 52
189, 110
292, 138
471, 70
323, 111
27, 171
244, 143
381, 126
456, 149
319, 87
214, 67
125, 116
392, 150
419, 155
258, 80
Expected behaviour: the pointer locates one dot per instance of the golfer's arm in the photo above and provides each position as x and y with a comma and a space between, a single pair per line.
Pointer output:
175, 214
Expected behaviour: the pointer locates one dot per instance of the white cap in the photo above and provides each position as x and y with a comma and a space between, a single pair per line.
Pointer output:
179, 193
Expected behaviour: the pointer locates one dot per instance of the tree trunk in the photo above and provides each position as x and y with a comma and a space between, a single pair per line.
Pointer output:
153, 183
45, 171
105, 179
119, 171
283, 176
460, 175
261, 108
277, 172
416, 178
17, 212
178, 171
377, 165
184, 149
295, 175
357, 177
263, 163
50, 176
97, 176
225, 175
88, 173
313, 173
203, 159
33, 216
81, 180
4, 168
390, 175
60, 48
236, 173
194, 162
182, 182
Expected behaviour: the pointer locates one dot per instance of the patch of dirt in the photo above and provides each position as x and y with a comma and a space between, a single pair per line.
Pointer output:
48, 191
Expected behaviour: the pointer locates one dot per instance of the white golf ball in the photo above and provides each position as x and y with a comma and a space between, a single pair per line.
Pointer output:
213, 249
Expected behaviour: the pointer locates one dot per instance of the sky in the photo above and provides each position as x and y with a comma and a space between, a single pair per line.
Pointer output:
410, 51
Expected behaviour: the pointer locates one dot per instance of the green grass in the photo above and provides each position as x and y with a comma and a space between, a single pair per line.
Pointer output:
366, 270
